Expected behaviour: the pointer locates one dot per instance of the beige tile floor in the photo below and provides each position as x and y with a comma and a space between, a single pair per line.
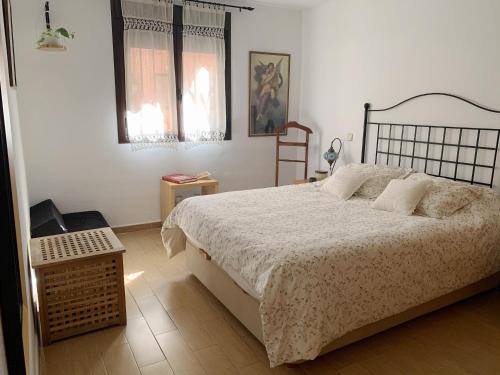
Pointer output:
175, 326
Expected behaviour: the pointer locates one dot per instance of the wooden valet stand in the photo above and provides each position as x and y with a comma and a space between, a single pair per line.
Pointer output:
291, 125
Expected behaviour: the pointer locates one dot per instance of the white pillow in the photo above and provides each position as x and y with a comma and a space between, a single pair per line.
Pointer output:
401, 196
344, 182
380, 176
444, 197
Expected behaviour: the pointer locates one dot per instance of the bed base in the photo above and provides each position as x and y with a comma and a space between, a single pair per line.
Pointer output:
246, 308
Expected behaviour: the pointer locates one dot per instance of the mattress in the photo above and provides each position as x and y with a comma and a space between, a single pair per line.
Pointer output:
235, 276
322, 267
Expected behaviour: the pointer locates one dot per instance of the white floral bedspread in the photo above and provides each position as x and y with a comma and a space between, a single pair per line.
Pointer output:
324, 267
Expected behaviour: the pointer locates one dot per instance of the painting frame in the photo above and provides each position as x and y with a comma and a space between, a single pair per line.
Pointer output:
279, 112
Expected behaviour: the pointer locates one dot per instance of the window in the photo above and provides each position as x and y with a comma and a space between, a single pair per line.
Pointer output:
148, 69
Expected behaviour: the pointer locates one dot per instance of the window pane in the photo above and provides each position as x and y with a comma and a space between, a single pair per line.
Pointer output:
148, 98
199, 82
149, 71
203, 78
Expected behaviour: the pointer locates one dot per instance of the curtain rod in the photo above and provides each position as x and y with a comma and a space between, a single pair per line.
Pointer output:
222, 4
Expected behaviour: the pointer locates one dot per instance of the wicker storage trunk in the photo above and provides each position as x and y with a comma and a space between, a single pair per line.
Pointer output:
80, 282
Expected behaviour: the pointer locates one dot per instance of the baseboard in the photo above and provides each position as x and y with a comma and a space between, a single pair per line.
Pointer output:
136, 227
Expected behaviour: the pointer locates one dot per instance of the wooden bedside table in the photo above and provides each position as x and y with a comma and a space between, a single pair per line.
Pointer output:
168, 189
298, 182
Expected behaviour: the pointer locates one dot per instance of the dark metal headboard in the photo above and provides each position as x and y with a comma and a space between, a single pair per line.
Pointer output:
414, 140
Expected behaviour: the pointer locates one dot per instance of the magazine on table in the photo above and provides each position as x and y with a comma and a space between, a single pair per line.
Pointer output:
180, 178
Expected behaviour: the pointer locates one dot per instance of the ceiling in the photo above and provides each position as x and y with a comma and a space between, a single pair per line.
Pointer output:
291, 3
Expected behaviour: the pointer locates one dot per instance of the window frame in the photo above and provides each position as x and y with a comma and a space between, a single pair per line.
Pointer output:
119, 69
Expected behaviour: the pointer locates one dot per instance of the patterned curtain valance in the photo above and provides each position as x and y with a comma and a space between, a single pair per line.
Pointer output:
131, 23
205, 31
204, 21
147, 15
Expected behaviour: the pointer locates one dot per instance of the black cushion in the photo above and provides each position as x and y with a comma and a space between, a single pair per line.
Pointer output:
84, 221
46, 220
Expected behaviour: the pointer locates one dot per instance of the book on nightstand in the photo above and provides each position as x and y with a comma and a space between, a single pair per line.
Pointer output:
180, 178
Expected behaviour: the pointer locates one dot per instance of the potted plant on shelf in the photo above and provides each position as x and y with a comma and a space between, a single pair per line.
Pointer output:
52, 39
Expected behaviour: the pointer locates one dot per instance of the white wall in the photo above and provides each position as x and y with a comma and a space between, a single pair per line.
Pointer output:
67, 111
357, 51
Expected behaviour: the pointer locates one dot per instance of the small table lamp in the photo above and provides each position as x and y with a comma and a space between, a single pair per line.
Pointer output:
331, 156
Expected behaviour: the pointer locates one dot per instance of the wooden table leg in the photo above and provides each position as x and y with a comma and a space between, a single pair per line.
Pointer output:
167, 200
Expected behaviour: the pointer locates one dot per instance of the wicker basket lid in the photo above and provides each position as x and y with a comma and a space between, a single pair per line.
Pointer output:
45, 251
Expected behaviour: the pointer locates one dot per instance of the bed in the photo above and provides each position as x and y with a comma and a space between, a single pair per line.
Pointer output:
307, 273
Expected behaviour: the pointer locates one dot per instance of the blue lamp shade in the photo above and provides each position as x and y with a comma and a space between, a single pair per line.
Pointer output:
331, 156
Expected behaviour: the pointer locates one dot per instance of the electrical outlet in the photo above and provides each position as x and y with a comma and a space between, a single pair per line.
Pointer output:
349, 137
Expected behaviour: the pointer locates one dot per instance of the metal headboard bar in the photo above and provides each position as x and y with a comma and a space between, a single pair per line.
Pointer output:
437, 160
431, 126
437, 94
403, 140
439, 143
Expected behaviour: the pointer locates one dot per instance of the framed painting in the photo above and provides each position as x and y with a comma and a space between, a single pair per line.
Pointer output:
269, 88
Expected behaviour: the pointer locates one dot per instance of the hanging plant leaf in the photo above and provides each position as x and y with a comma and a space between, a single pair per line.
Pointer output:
65, 33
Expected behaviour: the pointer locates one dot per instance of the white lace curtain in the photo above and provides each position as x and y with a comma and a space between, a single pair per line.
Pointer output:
203, 73
149, 72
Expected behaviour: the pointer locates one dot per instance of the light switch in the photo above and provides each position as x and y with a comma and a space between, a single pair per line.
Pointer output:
349, 137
